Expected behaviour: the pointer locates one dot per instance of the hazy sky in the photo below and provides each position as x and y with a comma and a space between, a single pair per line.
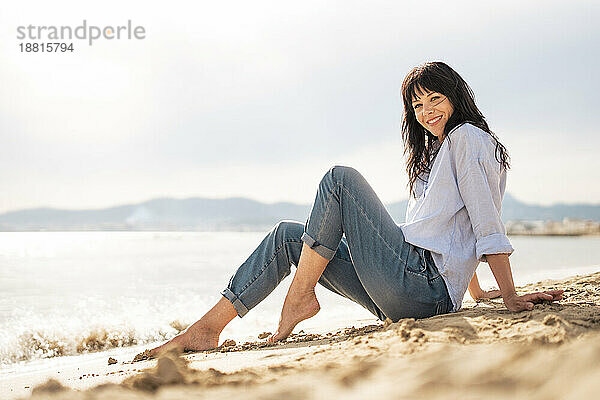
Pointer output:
258, 99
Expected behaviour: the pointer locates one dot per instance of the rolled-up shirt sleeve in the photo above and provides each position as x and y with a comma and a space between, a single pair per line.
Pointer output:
481, 189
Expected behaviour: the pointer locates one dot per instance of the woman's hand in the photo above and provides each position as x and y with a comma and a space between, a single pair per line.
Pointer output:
501, 269
478, 294
516, 303
488, 294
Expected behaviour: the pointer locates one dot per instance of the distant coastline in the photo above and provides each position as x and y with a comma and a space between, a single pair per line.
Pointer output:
241, 214
566, 227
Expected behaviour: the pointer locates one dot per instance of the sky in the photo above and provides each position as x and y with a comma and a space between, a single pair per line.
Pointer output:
258, 99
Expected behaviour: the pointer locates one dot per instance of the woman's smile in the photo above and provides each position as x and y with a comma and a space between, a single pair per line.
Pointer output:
434, 120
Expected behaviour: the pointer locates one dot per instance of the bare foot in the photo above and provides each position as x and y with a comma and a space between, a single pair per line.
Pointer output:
194, 338
296, 308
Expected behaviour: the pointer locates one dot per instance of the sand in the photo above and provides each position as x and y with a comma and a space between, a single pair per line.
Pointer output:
483, 351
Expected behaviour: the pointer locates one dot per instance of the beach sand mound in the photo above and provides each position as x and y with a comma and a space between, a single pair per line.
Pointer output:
483, 351
172, 369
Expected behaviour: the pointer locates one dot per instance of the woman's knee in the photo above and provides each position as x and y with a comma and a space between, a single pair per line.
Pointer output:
287, 230
344, 175
340, 170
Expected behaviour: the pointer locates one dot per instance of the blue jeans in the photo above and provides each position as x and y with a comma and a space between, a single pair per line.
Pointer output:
370, 262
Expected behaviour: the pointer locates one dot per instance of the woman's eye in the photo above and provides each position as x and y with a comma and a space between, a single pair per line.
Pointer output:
416, 106
434, 98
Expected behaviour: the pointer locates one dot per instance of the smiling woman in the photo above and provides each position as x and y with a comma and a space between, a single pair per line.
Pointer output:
352, 246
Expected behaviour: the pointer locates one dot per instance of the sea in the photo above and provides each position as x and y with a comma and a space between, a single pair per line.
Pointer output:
72, 296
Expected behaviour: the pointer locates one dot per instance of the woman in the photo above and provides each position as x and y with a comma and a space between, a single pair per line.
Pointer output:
350, 244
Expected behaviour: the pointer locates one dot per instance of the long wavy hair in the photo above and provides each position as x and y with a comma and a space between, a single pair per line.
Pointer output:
420, 146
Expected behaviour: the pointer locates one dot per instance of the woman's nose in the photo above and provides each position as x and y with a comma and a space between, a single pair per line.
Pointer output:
427, 109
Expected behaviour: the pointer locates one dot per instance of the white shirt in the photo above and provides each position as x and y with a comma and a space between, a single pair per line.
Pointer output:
456, 213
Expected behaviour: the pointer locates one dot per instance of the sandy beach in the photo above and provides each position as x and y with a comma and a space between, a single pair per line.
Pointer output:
484, 350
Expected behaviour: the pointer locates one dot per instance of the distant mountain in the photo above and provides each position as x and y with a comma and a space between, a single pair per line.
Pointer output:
513, 209
231, 214
159, 214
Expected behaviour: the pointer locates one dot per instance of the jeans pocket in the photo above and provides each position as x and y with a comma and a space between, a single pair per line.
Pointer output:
415, 261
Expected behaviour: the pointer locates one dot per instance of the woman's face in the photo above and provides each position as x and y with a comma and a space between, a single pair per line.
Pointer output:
433, 110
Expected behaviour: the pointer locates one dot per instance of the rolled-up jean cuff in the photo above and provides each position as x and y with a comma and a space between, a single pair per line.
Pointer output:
321, 250
237, 303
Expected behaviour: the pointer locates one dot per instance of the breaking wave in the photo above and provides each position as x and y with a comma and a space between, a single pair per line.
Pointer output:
40, 344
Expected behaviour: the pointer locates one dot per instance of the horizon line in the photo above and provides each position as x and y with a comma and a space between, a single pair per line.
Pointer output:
251, 199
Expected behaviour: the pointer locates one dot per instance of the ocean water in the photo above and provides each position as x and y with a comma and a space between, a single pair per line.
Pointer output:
65, 294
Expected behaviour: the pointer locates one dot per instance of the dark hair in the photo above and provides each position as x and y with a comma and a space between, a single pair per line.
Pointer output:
418, 142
